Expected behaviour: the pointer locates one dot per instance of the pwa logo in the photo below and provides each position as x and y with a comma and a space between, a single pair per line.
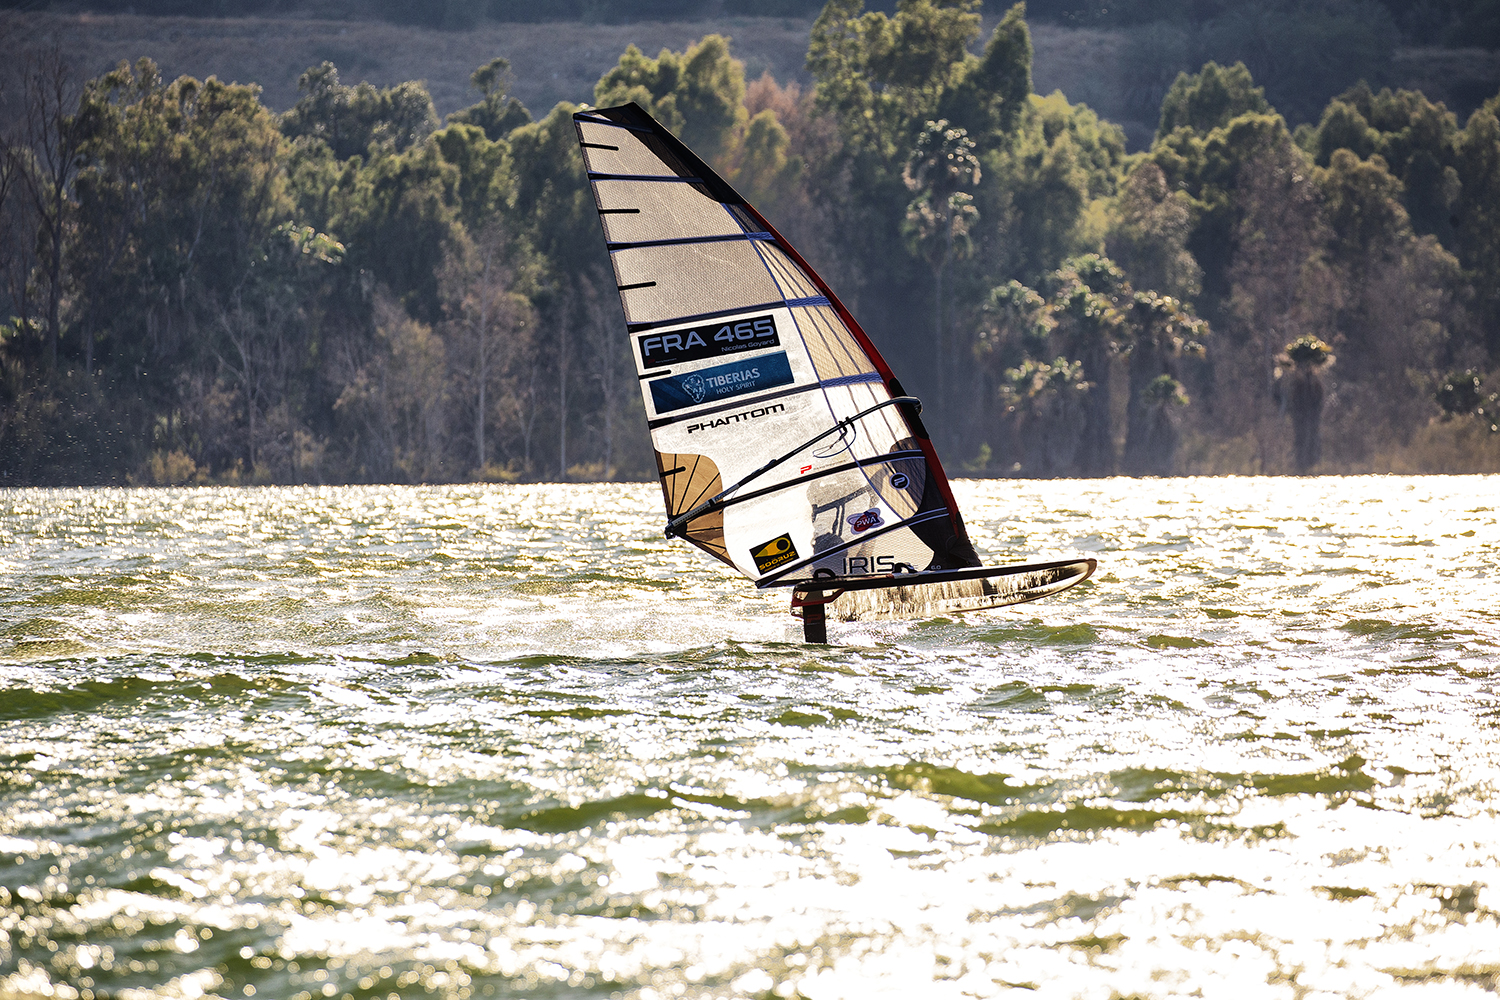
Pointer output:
864, 522
777, 552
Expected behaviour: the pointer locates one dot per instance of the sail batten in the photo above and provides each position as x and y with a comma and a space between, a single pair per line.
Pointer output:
687, 240
700, 317
647, 178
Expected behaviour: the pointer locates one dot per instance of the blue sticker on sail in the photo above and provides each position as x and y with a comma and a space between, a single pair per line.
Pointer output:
709, 385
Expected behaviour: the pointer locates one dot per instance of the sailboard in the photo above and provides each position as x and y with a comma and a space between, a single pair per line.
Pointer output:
785, 446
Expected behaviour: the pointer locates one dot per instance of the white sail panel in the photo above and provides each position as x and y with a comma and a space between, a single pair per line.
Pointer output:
662, 284
613, 150
644, 211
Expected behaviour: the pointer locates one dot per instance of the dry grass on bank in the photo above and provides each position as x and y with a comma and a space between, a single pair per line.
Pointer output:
563, 61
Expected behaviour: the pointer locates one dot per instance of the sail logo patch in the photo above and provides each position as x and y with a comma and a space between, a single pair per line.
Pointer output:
714, 340
709, 385
864, 522
777, 552
899, 481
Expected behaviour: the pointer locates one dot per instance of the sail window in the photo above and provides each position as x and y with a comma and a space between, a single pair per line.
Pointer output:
794, 284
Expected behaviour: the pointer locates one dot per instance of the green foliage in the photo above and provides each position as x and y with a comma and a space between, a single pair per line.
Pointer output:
496, 113
991, 94
698, 94
353, 292
1150, 231
1308, 351
1477, 211
1206, 167
1047, 404
1164, 390
881, 76
179, 184
1362, 203
1417, 140
941, 167
351, 119
1052, 180
1210, 99
1462, 395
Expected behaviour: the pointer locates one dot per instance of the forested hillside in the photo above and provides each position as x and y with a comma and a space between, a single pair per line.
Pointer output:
199, 289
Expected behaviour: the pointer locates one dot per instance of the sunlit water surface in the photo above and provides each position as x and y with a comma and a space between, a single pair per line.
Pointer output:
508, 741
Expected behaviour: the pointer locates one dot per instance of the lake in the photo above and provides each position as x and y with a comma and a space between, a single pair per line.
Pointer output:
472, 741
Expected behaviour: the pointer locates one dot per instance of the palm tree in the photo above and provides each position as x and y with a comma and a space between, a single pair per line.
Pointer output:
1163, 328
1300, 387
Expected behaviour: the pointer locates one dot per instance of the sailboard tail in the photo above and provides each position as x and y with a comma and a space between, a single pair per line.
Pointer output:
785, 445
931, 595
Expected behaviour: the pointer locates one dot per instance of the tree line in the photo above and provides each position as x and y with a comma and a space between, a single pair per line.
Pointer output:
196, 289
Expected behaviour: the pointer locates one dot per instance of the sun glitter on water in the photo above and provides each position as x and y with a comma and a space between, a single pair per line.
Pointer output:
509, 741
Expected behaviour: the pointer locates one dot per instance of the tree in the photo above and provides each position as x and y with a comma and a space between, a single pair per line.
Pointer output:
938, 220
1477, 211
1210, 99
396, 403
610, 369
1090, 306
699, 94
49, 164
1162, 329
1149, 236
1050, 187
1047, 402
882, 76
1280, 282
1394, 325
1206, 167
179, 192
1461, 394
1300, 387
497, 114
487, 322
991, 94
349, 119
1416, 138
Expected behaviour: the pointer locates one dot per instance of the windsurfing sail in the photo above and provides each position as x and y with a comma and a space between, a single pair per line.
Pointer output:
785, 446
